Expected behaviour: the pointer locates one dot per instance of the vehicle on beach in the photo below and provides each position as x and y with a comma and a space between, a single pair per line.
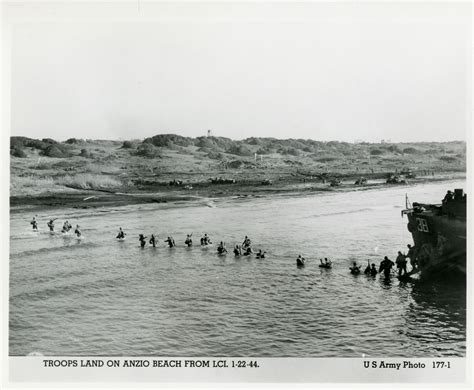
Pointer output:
439, 234
396, 179
408, 173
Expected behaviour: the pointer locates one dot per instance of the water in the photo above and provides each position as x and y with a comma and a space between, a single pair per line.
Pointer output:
98, 296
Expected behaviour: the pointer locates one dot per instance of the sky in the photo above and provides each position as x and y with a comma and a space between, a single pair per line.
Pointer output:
320, 71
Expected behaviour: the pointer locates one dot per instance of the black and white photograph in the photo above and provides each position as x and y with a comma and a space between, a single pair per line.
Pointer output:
216, 187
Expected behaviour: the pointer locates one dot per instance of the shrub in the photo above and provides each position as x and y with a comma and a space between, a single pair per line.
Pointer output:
72, 141
17, 152
127, 145
85, 153
168, 139
57, 150
410, 150
43, 166
17, 142
53, 151
235, 164
393, 149
431, 151
448, 159
22, 142
240, 150
291, 151
63, 165
37, 144
376, 152
88, 181
215, 155
30, 184
253, 141
216, 143
204, 143
148, 150
325, 159
265, 150
350, 153
294, 143
49, 141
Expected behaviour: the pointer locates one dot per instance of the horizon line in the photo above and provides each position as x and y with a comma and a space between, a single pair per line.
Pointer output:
357, 141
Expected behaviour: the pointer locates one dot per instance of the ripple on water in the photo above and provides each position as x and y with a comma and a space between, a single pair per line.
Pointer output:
107, 297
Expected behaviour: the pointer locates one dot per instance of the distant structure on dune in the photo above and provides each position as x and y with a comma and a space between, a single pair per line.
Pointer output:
209, 133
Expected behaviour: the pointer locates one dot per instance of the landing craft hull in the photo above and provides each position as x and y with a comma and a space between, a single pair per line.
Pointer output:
439, 234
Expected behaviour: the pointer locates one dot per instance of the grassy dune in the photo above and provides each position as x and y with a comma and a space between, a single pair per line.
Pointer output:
42, 167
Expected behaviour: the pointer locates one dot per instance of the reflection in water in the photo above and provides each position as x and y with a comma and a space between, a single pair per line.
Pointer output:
442, 306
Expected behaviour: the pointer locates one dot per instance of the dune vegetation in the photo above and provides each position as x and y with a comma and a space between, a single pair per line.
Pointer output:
206, 166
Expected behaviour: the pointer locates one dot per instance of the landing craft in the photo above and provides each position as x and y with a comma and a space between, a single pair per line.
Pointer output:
439, 234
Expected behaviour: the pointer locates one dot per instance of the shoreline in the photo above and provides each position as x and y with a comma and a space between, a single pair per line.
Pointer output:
204, 192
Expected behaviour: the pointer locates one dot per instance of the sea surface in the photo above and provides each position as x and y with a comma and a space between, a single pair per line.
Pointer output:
99, 296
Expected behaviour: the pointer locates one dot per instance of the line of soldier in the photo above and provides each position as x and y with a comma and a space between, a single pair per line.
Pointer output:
386, 264
66, 226
239, 250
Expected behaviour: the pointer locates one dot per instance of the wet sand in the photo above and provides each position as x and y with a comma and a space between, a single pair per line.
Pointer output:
160, 193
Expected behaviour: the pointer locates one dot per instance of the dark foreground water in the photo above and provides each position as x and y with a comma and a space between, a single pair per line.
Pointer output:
99, 296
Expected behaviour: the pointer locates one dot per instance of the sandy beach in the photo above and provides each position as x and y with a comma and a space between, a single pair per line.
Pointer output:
200, 193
